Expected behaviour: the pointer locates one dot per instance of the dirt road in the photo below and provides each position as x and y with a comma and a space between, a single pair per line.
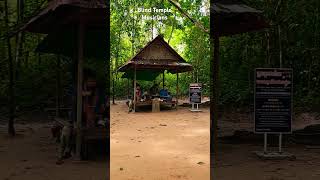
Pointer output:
32, 156
168, 145
238, 161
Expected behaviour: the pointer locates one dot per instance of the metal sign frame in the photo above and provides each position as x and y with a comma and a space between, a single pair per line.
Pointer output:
265, 150
195, 86
291, 106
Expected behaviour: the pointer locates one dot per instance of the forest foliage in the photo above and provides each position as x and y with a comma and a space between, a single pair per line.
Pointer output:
292, 41
130, 32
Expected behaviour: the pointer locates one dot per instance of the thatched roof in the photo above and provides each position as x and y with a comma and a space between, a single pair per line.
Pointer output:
65, 43
234, 17
157, 55
62, 13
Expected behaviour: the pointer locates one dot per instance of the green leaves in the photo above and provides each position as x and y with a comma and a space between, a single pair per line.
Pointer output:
187, 39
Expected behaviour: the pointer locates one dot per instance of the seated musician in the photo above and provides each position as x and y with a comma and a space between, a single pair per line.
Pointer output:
138, 92
145, 96
154, 90
165, 94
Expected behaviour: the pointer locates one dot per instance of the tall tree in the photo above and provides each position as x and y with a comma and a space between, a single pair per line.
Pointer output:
11, 129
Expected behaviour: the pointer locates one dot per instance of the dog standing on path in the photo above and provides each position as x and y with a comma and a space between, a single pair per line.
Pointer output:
66, 143
130, 105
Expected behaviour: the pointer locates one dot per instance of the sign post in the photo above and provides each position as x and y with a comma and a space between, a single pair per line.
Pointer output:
273, 106
195, 96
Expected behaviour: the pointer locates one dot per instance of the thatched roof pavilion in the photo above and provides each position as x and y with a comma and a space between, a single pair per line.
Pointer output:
79, 17
228, 17
156, 57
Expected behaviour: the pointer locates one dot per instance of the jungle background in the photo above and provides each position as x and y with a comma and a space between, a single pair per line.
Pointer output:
130, 33
31, 81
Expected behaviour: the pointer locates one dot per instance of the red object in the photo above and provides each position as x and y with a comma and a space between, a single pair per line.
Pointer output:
138, 92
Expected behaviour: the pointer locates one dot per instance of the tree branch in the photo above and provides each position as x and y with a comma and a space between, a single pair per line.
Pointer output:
185, 14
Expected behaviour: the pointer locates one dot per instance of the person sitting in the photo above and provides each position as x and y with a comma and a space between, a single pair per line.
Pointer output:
154, 90
138, 92
145, 96
165, 94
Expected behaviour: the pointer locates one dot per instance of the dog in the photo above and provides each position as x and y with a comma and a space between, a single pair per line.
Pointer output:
130, 105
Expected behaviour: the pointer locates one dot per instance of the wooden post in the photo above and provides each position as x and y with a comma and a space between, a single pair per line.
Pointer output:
163, 79
79, 91
177, 90
58, 87
135, 88
128, 87
74, 87
214, 110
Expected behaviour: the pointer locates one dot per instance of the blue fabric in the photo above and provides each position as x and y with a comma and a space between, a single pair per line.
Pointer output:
163, 93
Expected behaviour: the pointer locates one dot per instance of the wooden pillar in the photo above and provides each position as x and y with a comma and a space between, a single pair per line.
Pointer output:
163, 79
177, 91
74, 87
128, 87
79, 91
113, 101
135, 88
58, 87
214, 110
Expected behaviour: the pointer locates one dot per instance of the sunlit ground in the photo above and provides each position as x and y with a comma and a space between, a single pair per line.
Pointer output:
165, 145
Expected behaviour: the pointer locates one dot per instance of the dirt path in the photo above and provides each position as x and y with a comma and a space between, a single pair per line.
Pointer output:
32, 155
238, 161
167, 145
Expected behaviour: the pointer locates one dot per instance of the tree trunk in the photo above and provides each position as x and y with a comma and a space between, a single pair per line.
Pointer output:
310, 78
17, 55
58, 88
19, 38
198, 69
39, 55
11, 129
26, 59
268, 48
115, 69
280, 47
113, 102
